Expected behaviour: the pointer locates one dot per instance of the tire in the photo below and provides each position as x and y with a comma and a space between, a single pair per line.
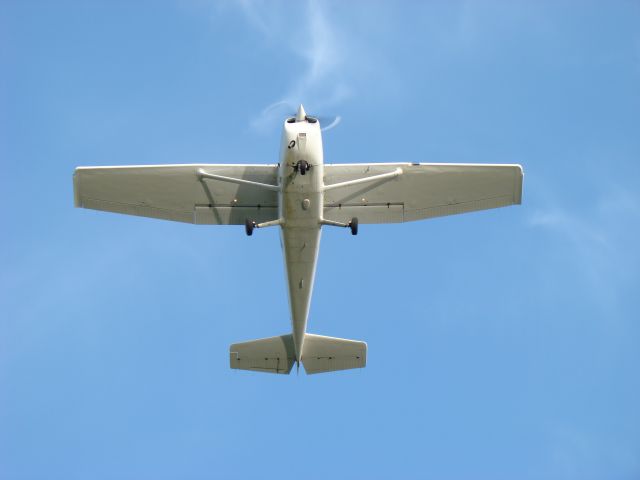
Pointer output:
249, 225
353, 224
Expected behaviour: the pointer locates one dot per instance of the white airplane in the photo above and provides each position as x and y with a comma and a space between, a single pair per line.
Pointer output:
300, 195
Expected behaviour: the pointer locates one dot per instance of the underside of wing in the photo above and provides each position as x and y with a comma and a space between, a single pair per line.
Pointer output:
181, 193
419, 191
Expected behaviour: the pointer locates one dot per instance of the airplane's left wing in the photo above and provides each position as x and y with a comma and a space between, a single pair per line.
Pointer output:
201, 194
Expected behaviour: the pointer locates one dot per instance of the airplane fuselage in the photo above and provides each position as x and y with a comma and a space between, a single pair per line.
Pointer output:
301, 206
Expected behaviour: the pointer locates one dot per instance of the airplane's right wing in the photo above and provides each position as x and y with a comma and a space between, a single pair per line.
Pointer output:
201, 194
417, 191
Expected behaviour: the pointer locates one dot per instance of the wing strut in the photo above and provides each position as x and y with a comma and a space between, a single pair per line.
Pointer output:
395, 173
204, 174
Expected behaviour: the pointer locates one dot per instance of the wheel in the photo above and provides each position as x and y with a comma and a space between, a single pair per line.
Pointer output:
353, 224
249, 225
303, 166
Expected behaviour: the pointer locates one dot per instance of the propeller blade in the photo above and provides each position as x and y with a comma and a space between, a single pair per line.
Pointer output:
327, 122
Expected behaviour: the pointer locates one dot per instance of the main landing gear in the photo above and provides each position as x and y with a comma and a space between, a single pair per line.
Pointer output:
249, 225
353, 224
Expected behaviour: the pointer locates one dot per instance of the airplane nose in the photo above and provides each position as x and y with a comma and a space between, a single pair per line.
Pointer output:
301, 115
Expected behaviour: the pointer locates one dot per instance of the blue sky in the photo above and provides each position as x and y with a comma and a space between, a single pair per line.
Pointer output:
502, 344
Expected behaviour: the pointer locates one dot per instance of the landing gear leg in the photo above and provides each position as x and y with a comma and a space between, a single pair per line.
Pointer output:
353, 224
249, 225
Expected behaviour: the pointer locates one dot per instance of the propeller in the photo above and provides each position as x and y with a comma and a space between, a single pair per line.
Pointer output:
327, 122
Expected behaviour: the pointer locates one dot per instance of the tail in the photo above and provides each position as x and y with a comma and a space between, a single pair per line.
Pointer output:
319, 354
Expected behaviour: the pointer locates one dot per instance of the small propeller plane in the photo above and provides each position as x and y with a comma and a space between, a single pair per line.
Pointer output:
300, 195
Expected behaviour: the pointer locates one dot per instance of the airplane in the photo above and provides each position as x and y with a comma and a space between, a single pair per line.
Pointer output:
301, 194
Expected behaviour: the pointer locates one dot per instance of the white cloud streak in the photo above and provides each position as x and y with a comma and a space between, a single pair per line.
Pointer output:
576, 453
315, 41
601, 240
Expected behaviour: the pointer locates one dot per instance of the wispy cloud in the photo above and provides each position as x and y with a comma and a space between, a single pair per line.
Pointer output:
576, 453
254, 13
316, 41
600, 238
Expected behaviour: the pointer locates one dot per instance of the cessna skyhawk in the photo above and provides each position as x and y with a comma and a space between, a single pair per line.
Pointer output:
300, 195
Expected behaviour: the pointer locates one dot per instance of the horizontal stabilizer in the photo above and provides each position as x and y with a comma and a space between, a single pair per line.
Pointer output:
327, 354
271, 355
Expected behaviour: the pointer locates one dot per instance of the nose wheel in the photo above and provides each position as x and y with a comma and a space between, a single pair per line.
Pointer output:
301, 167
